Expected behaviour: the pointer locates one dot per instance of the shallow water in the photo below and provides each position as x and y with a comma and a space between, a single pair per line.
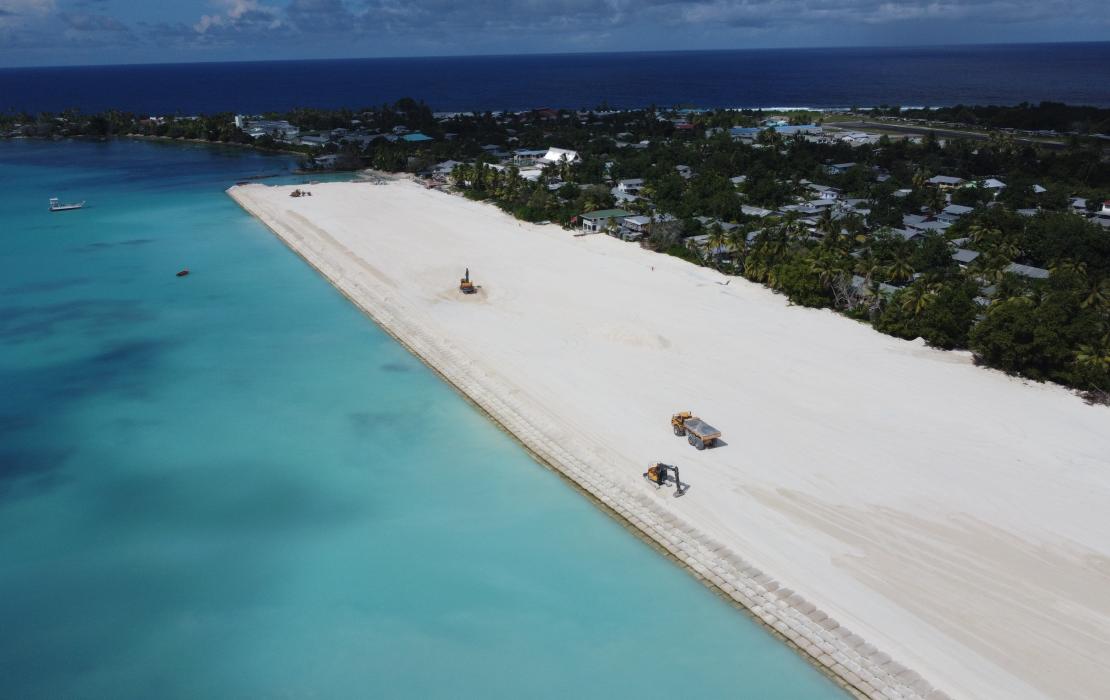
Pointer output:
210, 487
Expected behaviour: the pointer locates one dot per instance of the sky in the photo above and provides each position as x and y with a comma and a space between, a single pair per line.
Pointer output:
75, 32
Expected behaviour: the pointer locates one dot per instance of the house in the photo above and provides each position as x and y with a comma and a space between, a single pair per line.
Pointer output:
632, 185
685, 171
907, 234
315, 141
759, 212
1037, 189
964, 257
280, 130
1037, 273
860, 286
744, 133
992, 184
633, 228
559, 155
825, 192
791, 130
527, 156
1102, 217
924, 224
839, 168
953, 212
738, 180
707, 222
445, 168
416, 137
945, 182
595, 221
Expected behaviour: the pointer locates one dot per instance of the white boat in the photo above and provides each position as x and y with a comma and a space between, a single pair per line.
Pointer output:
55, 205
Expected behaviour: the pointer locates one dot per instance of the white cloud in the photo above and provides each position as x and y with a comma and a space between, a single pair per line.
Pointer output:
240, 15
14, 13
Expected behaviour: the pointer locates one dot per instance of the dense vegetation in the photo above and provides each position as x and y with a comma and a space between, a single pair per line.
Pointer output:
1046, 116
851, 260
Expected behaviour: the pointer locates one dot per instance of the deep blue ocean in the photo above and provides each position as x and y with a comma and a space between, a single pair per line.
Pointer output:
210, 486
1077, 73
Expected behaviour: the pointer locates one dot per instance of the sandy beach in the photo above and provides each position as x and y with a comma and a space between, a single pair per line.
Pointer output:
919, 526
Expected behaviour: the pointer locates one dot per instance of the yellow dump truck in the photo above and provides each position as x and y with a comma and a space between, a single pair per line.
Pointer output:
698, 433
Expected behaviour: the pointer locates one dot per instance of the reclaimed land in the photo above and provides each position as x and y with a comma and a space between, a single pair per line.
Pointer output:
916, 525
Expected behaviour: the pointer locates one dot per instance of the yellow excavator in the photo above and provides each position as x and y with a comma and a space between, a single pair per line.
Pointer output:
662, 474
465, 285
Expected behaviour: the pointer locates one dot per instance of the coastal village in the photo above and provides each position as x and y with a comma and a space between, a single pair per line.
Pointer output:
967, 240
919, 235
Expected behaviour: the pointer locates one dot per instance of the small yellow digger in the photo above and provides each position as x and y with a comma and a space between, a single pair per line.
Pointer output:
465, 285
661, 474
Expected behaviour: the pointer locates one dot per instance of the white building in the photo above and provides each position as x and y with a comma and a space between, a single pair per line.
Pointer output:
558, 155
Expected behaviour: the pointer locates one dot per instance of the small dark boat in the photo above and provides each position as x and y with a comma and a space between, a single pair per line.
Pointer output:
183, 273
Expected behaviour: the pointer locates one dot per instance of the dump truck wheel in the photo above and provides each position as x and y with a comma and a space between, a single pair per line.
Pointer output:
679, 431
698, 443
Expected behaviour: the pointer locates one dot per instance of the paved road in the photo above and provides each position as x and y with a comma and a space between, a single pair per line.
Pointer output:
944, 133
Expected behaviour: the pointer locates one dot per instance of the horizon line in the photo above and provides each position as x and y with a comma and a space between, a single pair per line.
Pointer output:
556, 53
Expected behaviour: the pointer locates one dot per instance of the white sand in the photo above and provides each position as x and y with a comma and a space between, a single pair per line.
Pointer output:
952, 518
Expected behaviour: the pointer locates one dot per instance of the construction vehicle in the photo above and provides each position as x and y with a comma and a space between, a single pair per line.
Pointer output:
465, 285
661, 474
698, 433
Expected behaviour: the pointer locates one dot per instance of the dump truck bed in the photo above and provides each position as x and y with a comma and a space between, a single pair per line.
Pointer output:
702, 429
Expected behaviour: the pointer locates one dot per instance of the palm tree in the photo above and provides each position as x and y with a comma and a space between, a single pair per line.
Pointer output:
789, 229
1096, 357
980, 234
826, 267
1057, 267
869, 267
1008, 249
756, 269
738, 244
901, 269
1099, 296
918, 298
919, 179
826, 225
463, 174
716, 241
990, 266
936, 200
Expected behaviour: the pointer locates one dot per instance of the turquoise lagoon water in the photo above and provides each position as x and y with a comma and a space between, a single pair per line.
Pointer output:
209, 487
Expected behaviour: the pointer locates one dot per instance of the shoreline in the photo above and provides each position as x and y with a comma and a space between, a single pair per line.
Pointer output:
971, 562
847, 658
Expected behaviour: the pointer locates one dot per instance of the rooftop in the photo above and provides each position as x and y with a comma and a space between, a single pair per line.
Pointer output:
606, 214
